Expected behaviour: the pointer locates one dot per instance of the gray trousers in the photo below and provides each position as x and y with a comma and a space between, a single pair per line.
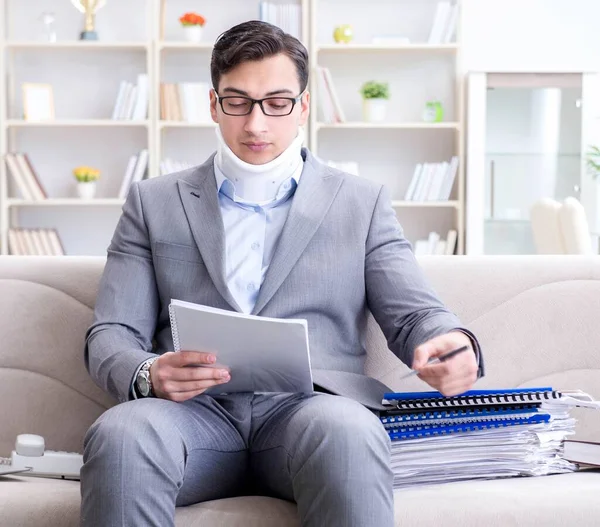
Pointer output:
327, 453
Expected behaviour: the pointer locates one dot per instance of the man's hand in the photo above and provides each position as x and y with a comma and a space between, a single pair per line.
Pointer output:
172, 377
454, 376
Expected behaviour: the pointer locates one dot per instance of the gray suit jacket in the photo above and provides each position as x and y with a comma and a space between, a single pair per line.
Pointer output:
341, 254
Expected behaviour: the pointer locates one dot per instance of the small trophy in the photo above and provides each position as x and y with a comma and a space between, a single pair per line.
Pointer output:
48, 18
89, 9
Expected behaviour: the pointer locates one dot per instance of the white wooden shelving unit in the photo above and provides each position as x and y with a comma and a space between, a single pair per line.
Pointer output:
85, 78
388, 151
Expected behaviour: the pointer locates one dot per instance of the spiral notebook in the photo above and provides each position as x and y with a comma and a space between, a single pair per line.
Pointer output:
262, 354
427, 400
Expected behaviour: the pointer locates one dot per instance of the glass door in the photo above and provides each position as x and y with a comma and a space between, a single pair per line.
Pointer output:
533, 151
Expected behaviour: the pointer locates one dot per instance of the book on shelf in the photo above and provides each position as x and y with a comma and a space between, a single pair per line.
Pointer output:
329, 107
435, 245
287, 16
170, 166
34, 242
432, 181
443, 29
137, 167
132, 100
24, 176
186, 101
480, 434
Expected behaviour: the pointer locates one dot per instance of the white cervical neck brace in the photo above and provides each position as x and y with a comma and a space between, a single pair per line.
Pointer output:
258, 183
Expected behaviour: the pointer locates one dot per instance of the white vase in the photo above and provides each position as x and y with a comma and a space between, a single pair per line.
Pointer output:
374, 110
86, 190
193, 33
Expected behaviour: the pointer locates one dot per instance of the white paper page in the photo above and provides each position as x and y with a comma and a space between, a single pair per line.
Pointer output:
262, 354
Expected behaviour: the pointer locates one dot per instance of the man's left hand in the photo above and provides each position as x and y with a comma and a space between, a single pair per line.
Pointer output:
454, 376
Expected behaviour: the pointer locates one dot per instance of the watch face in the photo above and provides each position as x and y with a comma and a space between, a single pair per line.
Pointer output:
143, 385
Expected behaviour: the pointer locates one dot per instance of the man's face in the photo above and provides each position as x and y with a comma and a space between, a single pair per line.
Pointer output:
257, 138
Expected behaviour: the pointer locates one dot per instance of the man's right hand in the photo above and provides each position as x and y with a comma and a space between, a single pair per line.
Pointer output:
172, 377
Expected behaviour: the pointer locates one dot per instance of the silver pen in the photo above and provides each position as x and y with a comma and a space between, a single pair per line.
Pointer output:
436, 360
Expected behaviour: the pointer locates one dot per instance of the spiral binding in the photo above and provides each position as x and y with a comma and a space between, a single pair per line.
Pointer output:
400, 426
174, 330
459, 413
419, 432
520, 397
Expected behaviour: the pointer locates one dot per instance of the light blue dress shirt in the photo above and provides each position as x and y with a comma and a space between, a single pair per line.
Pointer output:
251, 235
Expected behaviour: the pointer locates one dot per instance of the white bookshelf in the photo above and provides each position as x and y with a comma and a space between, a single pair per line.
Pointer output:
65, 202
384, 126
387, 152
396, 48
74, 45
57, 123
147, 39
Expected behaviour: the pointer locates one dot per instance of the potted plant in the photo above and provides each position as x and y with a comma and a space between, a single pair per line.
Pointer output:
192, 24
593, 161
375, 97
86, 181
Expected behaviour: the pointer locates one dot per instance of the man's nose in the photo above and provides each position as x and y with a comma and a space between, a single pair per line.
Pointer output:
256, 120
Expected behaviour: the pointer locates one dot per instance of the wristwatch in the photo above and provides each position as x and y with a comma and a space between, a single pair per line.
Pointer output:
143, 382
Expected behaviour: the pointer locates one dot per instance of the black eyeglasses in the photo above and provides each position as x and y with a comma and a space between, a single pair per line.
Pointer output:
239, 105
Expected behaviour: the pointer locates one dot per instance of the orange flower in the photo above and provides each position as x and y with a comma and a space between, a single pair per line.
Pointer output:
192, 19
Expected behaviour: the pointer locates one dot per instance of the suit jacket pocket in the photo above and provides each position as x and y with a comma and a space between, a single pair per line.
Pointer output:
175, 251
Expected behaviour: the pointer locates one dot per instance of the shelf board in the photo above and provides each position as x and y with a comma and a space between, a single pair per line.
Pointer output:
20, 123
185, 124
182, 45
65, 202
399, 126
75, 44
426, 204
350, 48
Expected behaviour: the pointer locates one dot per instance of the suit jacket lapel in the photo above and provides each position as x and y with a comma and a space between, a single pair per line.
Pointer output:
198, 194
315, 193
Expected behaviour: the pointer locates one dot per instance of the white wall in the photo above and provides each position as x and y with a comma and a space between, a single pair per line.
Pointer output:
531, 35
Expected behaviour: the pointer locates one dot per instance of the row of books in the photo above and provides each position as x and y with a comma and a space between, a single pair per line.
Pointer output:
136, 170
432, 181
434, 244
443, 29
35, 242
24, 176
186, 101
287, 16
481, 434
132, 100
329, 106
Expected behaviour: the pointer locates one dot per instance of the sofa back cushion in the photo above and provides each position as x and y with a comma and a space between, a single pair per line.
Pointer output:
46, 305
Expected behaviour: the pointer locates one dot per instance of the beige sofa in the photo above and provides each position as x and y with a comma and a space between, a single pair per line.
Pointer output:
538, 319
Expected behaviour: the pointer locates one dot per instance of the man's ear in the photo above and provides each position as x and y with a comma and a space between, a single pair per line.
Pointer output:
304, 108
213, 106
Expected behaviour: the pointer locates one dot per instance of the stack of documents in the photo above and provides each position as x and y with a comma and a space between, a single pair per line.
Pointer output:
480, 434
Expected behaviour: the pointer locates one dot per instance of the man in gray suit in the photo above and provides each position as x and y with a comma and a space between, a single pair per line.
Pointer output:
261, 227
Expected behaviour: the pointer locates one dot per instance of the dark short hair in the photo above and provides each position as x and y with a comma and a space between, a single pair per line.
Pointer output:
252, 41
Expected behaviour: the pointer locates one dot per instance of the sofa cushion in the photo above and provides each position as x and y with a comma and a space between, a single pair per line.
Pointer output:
568, 499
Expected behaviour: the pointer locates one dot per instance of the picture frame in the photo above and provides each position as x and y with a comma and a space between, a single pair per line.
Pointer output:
38, 102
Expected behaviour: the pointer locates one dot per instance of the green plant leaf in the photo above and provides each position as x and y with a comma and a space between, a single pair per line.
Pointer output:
375, 90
